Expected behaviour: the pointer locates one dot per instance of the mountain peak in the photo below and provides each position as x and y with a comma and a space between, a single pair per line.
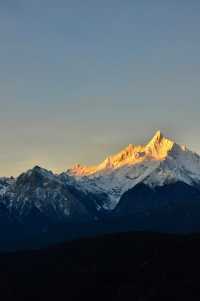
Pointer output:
159, 146
35, 172
156, 149
158, 136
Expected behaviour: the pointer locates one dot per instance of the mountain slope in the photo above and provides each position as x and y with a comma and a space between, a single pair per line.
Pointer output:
171, 208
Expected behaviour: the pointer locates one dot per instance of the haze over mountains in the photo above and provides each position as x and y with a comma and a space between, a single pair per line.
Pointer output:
144, 187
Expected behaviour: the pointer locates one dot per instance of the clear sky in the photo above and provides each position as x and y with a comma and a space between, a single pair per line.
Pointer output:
81, 79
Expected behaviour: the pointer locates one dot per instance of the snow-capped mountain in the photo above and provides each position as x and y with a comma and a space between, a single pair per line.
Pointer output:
86, 192
40, 195
161, 161
155, 186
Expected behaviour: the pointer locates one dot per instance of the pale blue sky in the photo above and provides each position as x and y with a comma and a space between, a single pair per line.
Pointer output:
81, 79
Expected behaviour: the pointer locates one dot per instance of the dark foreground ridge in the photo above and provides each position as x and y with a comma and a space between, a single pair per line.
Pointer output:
134, 266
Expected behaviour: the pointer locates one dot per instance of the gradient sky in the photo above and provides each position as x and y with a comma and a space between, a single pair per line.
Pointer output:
82, 79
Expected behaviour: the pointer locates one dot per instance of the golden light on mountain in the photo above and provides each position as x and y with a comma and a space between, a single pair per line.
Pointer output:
156, 149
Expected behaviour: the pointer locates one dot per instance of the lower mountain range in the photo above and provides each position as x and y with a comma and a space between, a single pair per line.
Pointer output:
151, 187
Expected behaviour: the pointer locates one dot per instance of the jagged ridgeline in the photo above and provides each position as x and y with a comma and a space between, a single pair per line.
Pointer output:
155, 187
